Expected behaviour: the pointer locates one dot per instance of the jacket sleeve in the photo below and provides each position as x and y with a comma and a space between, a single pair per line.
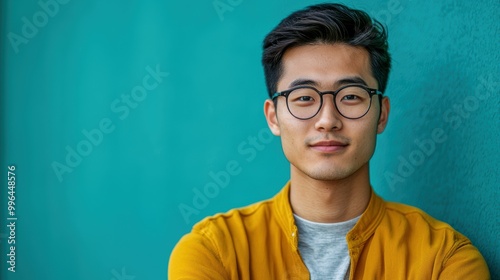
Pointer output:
196, 257
465, 262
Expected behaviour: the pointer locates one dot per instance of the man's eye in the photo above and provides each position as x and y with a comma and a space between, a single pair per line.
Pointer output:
305, 98
351, 97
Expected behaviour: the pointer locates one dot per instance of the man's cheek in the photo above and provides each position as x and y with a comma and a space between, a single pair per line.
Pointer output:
288, 145
367, 147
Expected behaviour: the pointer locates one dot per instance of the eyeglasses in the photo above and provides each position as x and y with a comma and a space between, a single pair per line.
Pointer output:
351, 101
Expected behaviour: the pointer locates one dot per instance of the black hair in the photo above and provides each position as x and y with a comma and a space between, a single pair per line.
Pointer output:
327, 24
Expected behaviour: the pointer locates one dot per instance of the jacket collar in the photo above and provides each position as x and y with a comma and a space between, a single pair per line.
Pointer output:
284, 215
369, 221
363, 229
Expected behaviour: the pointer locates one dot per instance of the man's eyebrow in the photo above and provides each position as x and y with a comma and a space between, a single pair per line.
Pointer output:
303, 82
351, 80
344, 81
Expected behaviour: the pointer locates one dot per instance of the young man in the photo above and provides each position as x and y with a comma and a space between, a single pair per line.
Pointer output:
326, 70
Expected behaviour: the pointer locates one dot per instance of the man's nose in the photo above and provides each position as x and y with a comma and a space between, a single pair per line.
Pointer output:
328, 117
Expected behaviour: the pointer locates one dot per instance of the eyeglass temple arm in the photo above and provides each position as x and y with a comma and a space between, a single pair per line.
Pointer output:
275, 95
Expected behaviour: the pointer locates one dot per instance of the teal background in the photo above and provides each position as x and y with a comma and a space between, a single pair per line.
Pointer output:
116, 215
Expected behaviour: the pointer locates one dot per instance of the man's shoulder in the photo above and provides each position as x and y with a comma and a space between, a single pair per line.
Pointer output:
214, 243
408, 233
413, 218
236, 216
398, 210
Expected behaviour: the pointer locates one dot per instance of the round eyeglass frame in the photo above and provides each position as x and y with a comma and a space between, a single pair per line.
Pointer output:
371, 92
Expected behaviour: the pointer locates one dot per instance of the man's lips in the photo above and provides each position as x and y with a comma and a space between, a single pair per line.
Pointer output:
328, 146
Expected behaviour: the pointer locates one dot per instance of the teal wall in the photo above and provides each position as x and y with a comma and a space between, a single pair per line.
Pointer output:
117, 114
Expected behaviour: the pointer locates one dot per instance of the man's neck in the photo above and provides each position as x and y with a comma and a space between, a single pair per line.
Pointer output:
330, 201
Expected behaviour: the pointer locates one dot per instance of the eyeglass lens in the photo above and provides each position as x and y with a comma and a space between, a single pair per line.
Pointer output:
352, 102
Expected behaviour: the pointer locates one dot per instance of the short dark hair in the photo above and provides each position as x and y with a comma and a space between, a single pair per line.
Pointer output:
328, 24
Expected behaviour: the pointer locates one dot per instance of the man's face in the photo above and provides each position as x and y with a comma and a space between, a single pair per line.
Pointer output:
327, 146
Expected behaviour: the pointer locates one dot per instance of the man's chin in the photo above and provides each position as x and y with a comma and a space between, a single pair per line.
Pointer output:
328, 177
328, 174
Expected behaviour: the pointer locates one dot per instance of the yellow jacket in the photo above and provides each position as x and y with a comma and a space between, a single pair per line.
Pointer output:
390, 241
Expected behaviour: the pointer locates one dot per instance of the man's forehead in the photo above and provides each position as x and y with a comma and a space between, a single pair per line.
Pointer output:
326, 65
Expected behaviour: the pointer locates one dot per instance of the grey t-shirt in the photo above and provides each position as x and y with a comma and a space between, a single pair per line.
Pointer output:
323, 248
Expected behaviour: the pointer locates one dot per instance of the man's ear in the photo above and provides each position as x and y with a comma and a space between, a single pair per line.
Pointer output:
271, 117
384, 114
